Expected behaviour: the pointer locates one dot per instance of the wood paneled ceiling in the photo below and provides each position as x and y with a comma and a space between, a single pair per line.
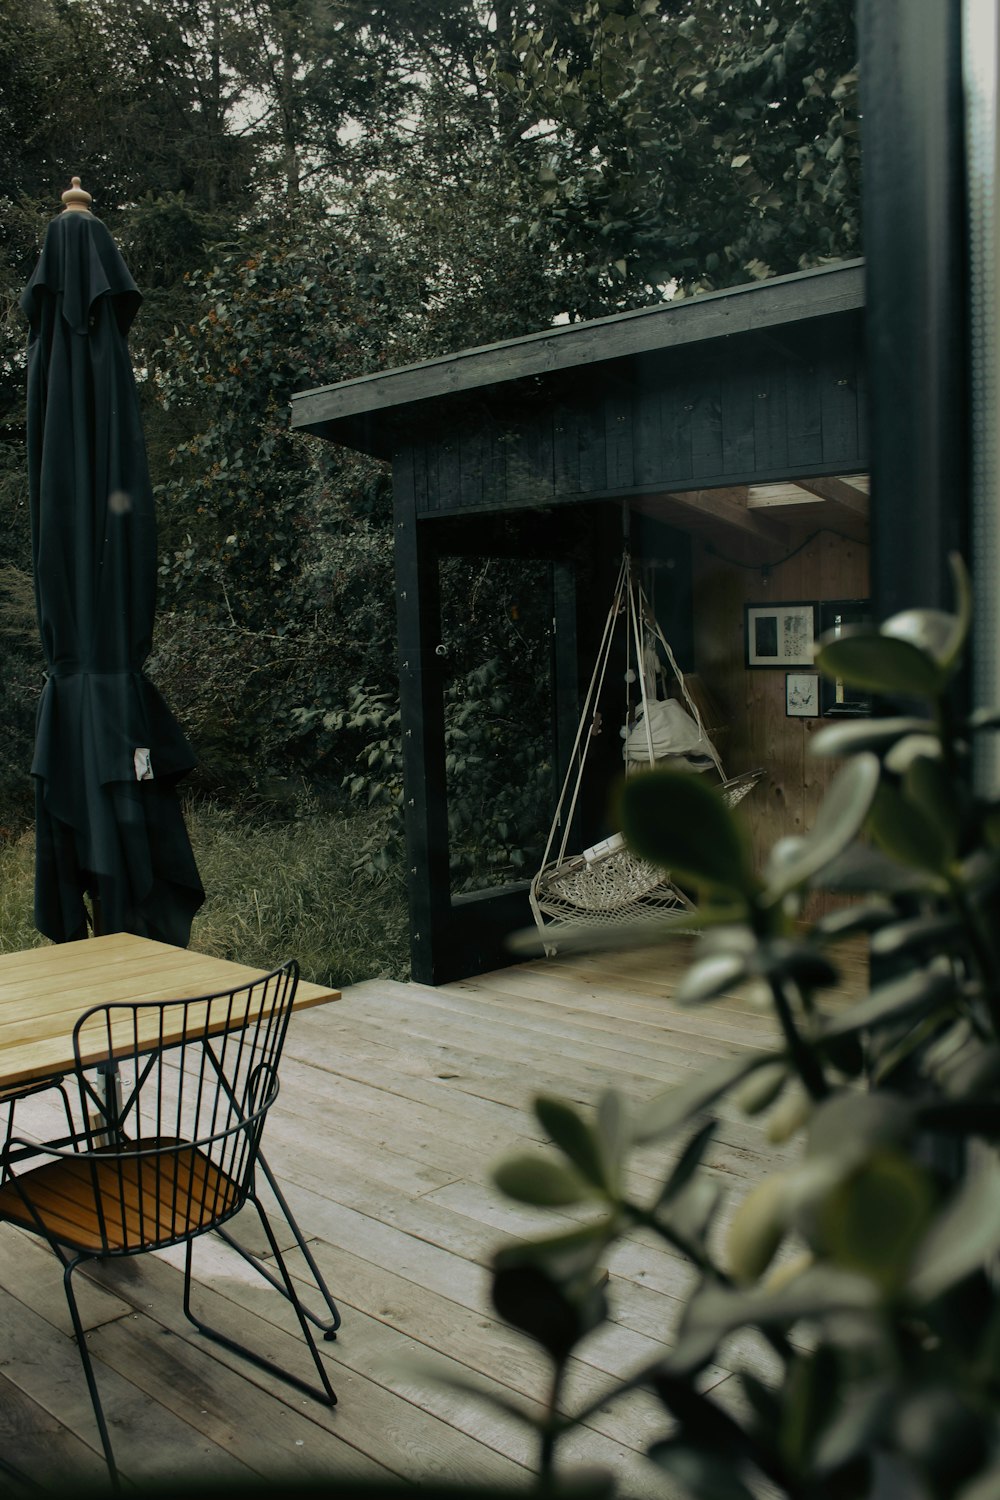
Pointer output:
773, 514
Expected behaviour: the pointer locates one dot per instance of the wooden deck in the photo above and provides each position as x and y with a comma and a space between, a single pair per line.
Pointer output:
395, 1103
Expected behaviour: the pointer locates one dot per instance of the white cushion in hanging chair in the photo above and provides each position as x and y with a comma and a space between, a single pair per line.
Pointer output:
675, 736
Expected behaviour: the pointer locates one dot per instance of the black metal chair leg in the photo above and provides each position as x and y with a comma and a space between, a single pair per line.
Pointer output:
326, 1395
329, 1329
88, 1370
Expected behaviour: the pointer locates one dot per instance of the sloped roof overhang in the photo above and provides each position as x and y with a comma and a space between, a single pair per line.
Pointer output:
367, 413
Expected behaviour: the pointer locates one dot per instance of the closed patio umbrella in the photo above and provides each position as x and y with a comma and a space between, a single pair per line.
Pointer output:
108, 752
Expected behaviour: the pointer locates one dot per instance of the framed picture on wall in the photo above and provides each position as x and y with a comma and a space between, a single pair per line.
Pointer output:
779, 635
837, 700
802, 695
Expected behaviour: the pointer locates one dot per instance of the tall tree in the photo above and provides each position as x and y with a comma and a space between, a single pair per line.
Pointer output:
691, 143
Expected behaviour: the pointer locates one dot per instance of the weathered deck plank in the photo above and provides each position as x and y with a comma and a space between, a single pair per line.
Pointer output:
395, 1105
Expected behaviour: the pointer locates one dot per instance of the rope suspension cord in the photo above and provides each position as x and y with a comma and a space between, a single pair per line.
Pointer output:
607, 884
578, 758
641, 603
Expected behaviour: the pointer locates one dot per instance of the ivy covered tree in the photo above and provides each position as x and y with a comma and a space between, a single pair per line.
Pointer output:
276, 553
690, 143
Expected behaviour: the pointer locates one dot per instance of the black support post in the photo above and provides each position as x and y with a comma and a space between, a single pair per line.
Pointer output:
421, 704
916, 296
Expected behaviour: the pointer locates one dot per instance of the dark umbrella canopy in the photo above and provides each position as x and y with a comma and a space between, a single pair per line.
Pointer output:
108, 752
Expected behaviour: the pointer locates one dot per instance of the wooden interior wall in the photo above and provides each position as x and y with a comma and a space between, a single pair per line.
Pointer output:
752, 700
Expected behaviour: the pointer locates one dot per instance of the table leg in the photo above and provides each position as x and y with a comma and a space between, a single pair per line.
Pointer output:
329, 1327
108, 1088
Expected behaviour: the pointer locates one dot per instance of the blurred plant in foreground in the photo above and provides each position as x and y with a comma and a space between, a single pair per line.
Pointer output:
868, 1266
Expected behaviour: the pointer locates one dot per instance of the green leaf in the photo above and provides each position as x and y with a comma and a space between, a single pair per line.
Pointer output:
855, 1425
873, 1219
542, 1183
703, 1473
877, 735
900, 756
687, 1216
850, 1124
575, 1137
897, 1000
934, 933
535, 1302
927, 784
710, 977
680, 824
811, 1384
568, 1254
865, 658
941, 635
848, 921
614, 1137
687, 1163
840, 818
665, 1112
963, 1237
713, 1312
756, 1229
762, 1088
904, 831
865, 868
789, 1115
702, 1422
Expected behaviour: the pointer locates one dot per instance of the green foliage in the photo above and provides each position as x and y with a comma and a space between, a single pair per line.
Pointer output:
499, 775
292, 886
699, 143
893, 1207
17, 891
278, 885
19, 688
258, 503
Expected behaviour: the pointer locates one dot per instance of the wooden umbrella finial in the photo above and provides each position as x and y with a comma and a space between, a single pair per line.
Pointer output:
76, 199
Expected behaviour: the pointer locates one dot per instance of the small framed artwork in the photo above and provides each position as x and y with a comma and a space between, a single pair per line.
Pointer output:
837, 700
779, 635
802, 695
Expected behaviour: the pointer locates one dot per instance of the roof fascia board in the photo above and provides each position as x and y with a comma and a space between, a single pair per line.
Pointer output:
712, 315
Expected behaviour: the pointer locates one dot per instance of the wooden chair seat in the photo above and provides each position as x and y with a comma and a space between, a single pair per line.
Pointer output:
123, 1204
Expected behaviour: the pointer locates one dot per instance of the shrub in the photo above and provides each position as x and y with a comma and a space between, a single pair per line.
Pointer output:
290, 888
20, 688
885, 1321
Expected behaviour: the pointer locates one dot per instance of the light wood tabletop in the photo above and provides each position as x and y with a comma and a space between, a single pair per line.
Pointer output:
44, 991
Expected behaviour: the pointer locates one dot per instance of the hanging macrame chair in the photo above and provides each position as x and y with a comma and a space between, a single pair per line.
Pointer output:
607, 885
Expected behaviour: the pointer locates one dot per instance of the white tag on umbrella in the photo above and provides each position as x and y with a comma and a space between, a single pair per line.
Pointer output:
143, 766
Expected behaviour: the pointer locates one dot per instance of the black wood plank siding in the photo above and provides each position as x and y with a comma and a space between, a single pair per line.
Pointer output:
787, 411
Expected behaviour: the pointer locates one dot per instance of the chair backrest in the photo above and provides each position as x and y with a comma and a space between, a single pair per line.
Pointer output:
175, 1094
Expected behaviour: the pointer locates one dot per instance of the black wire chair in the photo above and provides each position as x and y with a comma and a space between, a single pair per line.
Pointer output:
10, 1098
168, 1155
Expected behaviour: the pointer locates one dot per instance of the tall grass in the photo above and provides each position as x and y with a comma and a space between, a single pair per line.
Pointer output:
275, 890
17, 894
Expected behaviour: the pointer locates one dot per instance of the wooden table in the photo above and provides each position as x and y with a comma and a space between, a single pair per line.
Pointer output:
44, 991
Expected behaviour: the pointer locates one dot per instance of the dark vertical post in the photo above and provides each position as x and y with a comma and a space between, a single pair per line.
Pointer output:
421, 706
565, 671
916, 295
